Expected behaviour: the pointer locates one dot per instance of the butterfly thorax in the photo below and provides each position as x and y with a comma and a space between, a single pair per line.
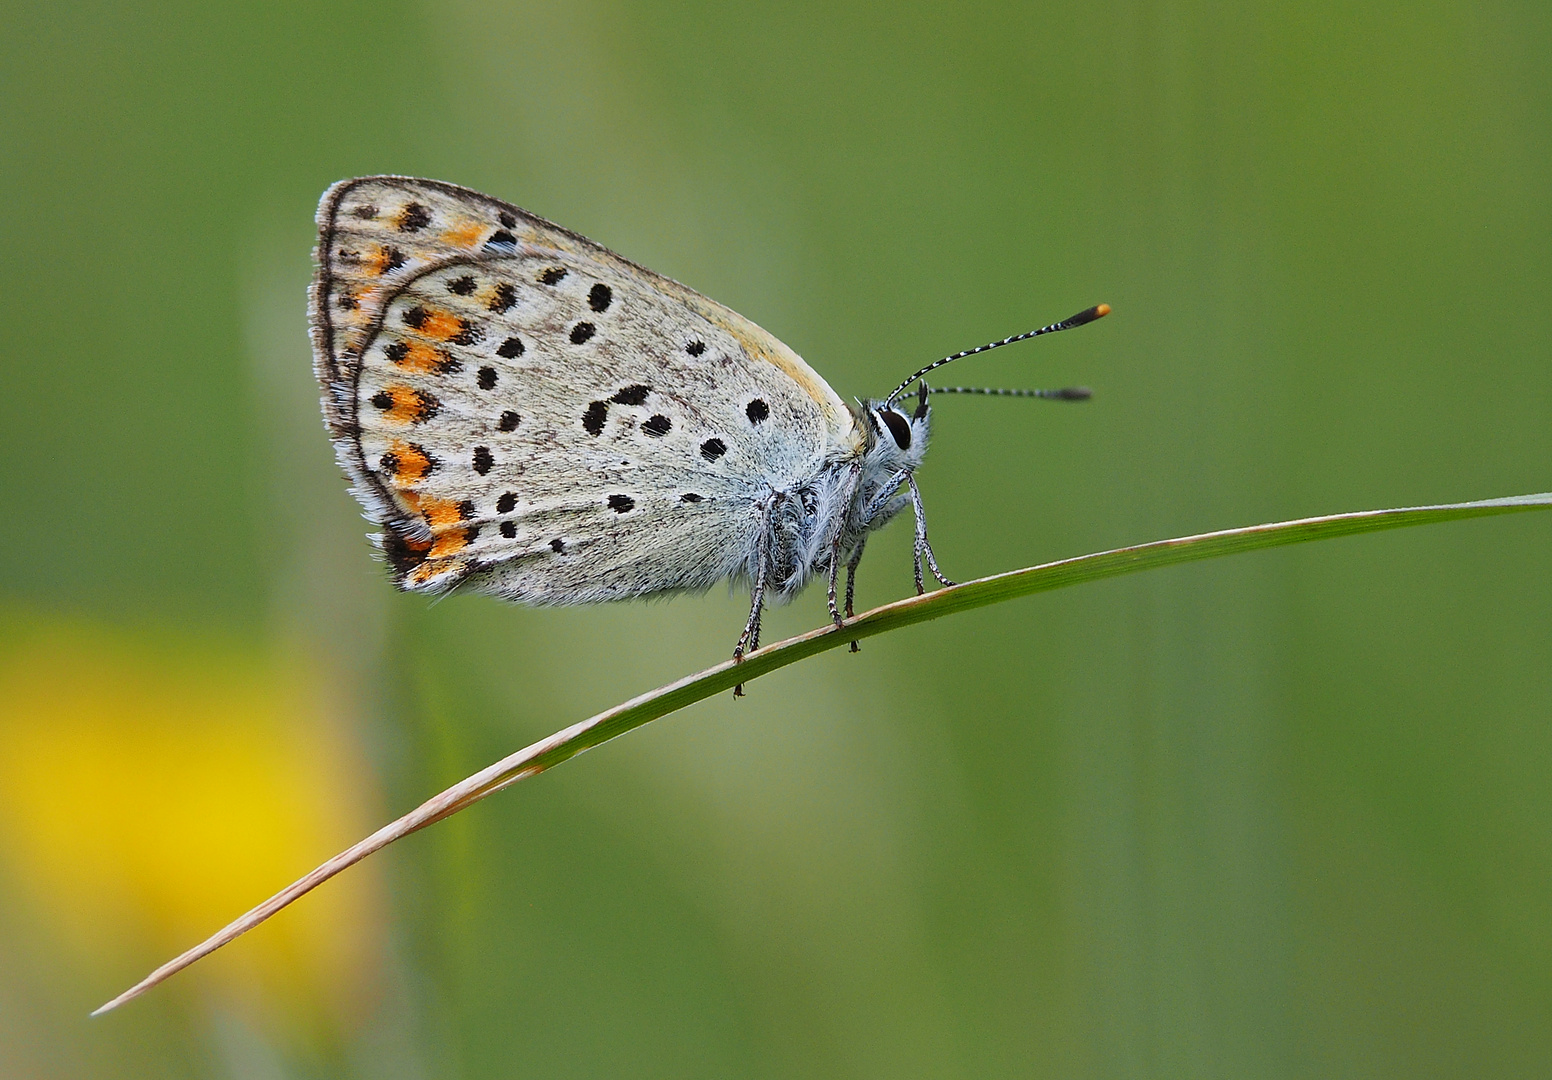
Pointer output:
830, 513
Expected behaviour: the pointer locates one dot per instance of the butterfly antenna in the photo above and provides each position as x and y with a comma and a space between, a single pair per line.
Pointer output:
1098, 311
1066, 393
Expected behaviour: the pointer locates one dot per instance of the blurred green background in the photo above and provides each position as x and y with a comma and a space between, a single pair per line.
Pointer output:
1283, 815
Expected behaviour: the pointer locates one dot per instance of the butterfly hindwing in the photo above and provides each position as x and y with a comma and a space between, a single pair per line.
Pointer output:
531, 415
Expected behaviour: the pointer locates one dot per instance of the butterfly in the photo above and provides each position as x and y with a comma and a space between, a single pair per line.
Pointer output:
527, 414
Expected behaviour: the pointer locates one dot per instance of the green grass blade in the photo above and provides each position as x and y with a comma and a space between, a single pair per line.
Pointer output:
571, 741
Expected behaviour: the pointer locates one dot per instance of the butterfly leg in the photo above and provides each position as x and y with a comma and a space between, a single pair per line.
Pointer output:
835, 573
923, 548
835, 546
851, 576
886, 492
749, 640
851, 583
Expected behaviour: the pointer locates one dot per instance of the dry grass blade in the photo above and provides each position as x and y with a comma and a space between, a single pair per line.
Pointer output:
573, 740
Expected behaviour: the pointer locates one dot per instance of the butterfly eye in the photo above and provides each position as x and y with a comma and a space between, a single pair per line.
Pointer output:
898, 426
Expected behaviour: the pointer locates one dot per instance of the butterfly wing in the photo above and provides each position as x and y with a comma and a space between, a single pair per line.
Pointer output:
529, 414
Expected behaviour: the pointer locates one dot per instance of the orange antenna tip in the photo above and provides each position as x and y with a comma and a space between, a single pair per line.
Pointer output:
1098, 311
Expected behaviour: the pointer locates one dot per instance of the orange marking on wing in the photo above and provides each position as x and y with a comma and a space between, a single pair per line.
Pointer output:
382, 259
430, 569
440, 512
413, 464
441, 325
465, 234
449, 543
408, 406
421, 359
403, 409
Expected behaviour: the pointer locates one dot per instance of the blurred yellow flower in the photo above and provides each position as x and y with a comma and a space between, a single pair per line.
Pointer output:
152, 791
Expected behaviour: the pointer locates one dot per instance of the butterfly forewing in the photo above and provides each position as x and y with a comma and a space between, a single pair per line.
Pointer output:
535, 416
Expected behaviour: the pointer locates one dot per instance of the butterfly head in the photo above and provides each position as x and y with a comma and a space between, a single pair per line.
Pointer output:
899, 430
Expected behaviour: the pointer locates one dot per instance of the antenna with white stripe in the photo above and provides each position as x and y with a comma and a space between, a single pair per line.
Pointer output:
1073, 393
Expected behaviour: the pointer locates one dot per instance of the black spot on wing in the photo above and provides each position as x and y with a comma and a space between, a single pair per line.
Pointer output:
487, 378
507, 218
712, 449
631, 395
598, 297
510, 349
502, 299
400, 555
509, 421
461, 286
621, 503
509, 530
501, 239
483, 460
581, 332
507, 503
690, 497
593, 419
415, 317
557, 546
552, 275
414, 217
757, 411
695, 348
658, 426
